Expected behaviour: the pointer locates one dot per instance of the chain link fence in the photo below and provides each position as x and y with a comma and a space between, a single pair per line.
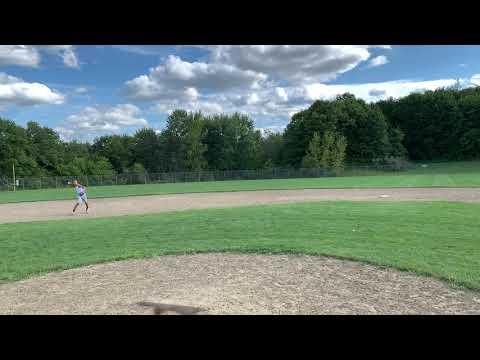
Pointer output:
29, 183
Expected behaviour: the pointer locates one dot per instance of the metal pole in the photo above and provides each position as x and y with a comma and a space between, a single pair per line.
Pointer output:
14, 182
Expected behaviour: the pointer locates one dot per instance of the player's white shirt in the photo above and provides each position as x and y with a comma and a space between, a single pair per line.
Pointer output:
80, 190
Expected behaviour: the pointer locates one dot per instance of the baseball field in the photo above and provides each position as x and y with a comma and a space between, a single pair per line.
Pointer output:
380, 244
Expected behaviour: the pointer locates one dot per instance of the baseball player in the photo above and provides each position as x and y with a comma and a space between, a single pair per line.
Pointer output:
81, 192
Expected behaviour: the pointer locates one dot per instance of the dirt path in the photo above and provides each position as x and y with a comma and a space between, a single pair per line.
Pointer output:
236, 284
51, 210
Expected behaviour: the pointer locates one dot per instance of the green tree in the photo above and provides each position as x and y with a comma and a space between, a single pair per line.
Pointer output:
147, 150
327, 152
194, 147
364, 127
338, 154
46, 147
16, 148
117, 149
315, 153
272, 149
232, 142
432, 123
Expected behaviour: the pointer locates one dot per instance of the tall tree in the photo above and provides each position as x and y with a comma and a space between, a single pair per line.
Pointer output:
272, 149
146, 149
47, 148
364, 127
16, 149
327, 152
117, 149
194, 147
232, 142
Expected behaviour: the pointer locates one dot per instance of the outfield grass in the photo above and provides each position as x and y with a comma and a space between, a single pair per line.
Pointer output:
379, 181
441, 239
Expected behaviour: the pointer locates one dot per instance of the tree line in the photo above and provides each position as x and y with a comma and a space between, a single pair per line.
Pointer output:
435, 125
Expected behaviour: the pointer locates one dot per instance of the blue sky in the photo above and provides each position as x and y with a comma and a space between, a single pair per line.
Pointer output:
88, 91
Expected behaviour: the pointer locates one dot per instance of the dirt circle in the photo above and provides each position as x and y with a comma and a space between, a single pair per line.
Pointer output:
236, 284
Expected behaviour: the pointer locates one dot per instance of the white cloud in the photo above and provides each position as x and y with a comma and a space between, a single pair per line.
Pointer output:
260, 80
20, 55
393, 89
191, 93
93, 121
206, 107
81, 90
137, 49
378, 61
8, 79
281, 94
296, 63
271, 129
176, 77
15, 91
475, 79
29, 55
70, 59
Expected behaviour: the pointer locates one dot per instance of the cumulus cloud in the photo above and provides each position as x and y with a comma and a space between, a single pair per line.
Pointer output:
393, 89
284, 103
206, 107
70, 59
251, 79
93, 121
15, 91
177, 78
269, 83
297, 63
20, 55
378, 61
30, 55
475, 80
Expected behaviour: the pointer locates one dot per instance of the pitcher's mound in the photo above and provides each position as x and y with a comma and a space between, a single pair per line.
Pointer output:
235, 284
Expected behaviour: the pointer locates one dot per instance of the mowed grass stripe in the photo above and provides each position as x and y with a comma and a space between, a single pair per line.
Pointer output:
440, 239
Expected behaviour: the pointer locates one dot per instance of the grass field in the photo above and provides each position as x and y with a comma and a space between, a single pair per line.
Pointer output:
440, 239
379, 181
